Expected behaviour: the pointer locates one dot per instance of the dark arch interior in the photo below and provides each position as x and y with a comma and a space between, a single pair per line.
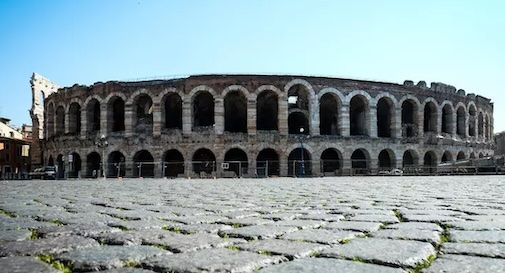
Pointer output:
50, 161
74, 119
235, 112
174, 163
328, 115
267, 163
116, 114
385, 159
331, 160
60, 121
237, 161
203, 109
93, 118
385, 112
267, 111
143, 164
204, 161
446, 157
74, 165
297, 120
358, 116
409, 128
461, 127
359, 160
116, 165
447, 119
295, 165
144, 114
430, 117
409, 159
60, 165
173, 111
481, 125
50, 121
93, 162
298, 97
461, 156
430, 162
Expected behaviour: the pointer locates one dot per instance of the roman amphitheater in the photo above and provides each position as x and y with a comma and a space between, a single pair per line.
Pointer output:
255, 125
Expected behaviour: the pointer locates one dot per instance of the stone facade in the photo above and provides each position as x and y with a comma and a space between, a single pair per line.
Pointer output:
257, 120
500, 143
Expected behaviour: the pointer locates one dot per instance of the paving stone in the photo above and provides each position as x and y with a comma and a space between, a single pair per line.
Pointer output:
323, 236
409, 234
475, 249
126, 270
89, 230
374, 218
24, 265
247, 221
46, 246
485, 236
322, 217
196, 228
14, 235
258, 232
355, 225
324, 265
108, 257
479, 225
431, 218
415, 226
212, 260
290, 249
466, 264
300, 223
384, 251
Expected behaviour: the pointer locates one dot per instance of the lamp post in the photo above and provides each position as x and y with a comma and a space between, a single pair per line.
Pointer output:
302, 167
102, 143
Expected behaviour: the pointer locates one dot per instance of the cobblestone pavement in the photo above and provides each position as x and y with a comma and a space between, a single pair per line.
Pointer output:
344, 224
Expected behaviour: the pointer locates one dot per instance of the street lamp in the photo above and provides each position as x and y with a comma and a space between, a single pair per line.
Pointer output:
302, 167
102, 143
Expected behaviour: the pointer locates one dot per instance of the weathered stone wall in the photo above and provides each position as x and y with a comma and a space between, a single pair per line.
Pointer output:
500, 143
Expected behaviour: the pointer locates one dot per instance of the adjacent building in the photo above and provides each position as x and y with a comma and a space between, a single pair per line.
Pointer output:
14, 150
500, 143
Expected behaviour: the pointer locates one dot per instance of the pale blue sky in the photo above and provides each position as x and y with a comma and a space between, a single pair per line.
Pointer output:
461, 43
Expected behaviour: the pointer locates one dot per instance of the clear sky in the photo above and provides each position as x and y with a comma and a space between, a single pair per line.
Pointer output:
459, 42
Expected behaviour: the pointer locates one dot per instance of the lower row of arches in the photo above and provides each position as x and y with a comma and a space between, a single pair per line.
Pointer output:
237, 162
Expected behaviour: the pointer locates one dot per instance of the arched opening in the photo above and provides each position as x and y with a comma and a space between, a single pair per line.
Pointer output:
267, 163
173, 163
461, 156
472, 155
203, 110
359, 161
460, 122
93, 116
74, 165
237, 161
430, 117
296, 122
116, 165
143, 118
471, 121
60, 166
409, 117
329, 106
267, 111
60, 121
50, 161
331, 160
204, 161
489, 133
143, 164
172, 111
115, 114
447, 119
385, 117
410, 159
446, 157
50, 121
386, 159
430, 162
74, 119
299, 109
481, 125
299, 163
481, 155
235, 112
358, 115
93, 163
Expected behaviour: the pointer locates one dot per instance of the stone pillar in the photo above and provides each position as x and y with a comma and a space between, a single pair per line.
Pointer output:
84, 123
283, 163
397, 123
283, 114
157, 170
420, 122
157, 119
66, 130
251, 116
186, 117
128, 120
314, 117
344, 123
103, 119
316, 167
372, 121
439, 122
454, 124
219, 116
